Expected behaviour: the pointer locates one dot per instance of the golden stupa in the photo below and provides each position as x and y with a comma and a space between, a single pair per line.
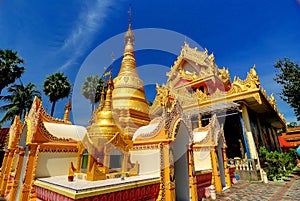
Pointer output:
129, 100
104, 126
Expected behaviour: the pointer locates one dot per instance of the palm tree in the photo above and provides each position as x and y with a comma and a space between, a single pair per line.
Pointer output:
91, 89
19, 100
9, 67
56, 86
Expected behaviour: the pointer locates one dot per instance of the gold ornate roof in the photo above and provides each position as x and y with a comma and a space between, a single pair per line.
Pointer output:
36, 130
194, 68
128, 96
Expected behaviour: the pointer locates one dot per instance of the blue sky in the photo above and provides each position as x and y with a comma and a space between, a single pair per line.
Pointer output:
56, 36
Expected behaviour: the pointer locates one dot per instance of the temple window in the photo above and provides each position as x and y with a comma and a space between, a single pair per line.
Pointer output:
84, 161
116, 160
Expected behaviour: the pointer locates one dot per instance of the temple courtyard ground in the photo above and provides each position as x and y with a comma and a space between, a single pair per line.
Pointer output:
258, 191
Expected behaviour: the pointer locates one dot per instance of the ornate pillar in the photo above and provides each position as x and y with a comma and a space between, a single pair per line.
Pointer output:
125, 161
4, 165
7, 171
192, 175
199, 120
15, 186
29, 172
227, 174
216, 181
106, 156
248, 133
81, 149
90, 164
169, 173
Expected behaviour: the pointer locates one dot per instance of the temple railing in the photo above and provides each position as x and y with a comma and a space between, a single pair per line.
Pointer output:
246, 169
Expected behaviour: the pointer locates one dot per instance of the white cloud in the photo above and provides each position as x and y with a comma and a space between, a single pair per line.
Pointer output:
90, 20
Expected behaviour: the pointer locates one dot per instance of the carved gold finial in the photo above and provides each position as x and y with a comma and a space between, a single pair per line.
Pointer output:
129, 36
129, 16
272, 100
212, 57
68, 108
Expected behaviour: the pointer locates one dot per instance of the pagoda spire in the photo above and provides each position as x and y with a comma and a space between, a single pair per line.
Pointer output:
128, 95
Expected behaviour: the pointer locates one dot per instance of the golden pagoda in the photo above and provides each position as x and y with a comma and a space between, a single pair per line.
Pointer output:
103, 138
128, 96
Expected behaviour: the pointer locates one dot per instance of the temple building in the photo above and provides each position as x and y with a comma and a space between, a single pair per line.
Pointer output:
290, 139
200, 129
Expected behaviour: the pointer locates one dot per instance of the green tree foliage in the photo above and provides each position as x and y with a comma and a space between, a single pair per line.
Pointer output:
10, 68
277, 164
291, 125
56, 86
91, 89
289, 77
19, 100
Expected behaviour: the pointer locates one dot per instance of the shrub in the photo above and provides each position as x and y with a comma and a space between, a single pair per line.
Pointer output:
277, 164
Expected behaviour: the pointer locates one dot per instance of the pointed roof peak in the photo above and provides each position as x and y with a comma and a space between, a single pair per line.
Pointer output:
129, 36
129, 17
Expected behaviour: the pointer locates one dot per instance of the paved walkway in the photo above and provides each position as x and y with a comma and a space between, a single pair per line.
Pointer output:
257, 191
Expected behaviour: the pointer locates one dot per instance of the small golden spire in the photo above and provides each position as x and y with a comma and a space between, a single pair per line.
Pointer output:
68, 108
129, 16
105, 125
129, 37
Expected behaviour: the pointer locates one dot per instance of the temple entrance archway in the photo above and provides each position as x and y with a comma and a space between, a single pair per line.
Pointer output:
234, 137
179, 150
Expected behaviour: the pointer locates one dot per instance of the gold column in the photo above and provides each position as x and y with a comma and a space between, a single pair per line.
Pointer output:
29, 171
227, 174
250, 139
89, 168
81, 149
200, 120
7, 171
192, 176
4, 165
15, 186
79, 161
106, 158
169, 173
125, 162
216, 181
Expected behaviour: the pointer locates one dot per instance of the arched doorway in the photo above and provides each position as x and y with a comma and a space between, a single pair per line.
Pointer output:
179, 149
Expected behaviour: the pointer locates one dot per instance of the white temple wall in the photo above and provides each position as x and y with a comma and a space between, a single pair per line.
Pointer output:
202, 160
55, 163
149, 161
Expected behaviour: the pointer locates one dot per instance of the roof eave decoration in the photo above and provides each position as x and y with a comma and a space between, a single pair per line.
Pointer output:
271, 100
14, 133
215, 131
119, 142
200, 58
238, 87
36, 116
150, 131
